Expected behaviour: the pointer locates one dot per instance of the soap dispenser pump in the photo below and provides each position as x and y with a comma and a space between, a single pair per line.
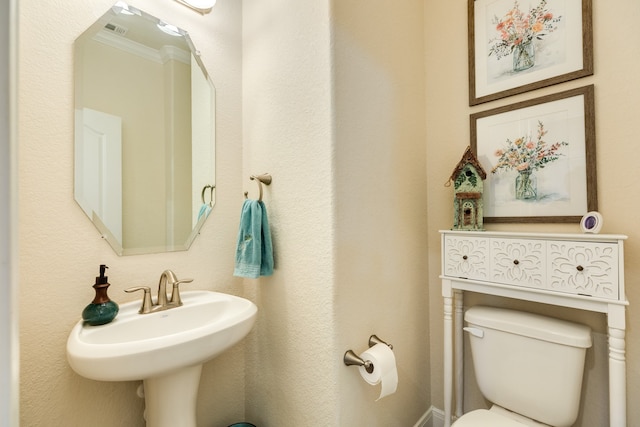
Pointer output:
101, 310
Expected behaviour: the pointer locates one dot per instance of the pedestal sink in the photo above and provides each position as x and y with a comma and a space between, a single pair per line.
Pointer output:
165, 349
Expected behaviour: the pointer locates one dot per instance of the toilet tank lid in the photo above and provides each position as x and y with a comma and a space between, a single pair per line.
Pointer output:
530, 325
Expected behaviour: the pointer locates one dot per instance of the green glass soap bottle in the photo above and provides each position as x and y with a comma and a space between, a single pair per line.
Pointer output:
101, 310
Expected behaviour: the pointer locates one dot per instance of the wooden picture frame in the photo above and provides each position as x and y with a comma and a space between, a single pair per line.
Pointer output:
553, 139
516, 47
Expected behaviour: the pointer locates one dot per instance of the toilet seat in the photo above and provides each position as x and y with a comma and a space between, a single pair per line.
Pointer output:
486, 418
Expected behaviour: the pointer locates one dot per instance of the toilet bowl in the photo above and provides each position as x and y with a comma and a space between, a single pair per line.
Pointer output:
530, 367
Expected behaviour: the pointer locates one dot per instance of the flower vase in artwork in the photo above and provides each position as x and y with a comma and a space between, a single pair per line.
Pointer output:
526, 186
524, 56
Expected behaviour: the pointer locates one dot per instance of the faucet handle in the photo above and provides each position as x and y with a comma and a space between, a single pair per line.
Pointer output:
146, 299
175, 292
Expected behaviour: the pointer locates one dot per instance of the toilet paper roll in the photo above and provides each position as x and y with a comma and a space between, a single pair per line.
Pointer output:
384, 371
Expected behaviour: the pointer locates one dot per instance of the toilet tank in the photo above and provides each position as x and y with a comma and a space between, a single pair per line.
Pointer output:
527, 363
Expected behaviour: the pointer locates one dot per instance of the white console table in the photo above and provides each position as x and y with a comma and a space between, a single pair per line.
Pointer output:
583, 271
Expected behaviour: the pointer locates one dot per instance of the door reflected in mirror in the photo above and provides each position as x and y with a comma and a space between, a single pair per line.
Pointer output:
144, 132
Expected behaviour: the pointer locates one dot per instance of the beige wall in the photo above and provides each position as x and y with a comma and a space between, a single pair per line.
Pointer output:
60, 250
287, 132
333, 108
617, 103
380, 203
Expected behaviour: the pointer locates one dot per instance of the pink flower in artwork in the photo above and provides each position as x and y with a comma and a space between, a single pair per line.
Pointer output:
517, 27
530, 155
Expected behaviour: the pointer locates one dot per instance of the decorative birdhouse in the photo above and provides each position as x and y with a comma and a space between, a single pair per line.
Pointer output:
467, 180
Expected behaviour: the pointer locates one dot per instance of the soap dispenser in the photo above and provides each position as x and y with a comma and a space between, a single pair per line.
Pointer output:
101, 310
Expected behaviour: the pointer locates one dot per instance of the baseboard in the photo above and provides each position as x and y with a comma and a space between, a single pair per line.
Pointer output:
437, 418
434, 417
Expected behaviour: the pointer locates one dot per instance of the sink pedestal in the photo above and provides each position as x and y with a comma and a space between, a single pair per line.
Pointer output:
165, 348
170, 400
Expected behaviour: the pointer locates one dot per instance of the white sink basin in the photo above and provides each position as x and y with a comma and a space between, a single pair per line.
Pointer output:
165, 348
137, 346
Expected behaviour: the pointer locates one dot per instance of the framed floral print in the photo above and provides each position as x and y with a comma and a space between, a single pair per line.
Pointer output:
539, 156
520, 45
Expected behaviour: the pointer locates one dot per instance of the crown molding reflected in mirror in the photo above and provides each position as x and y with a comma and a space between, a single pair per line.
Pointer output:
200, 6
144, 132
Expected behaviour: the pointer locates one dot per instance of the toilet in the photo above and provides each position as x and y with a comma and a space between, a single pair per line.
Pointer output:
528, 366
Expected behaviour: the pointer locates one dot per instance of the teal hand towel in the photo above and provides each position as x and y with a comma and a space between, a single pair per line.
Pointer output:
254, 251
205, 210
266, 259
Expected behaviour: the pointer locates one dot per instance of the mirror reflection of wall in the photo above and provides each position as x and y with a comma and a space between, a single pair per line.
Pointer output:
144, 132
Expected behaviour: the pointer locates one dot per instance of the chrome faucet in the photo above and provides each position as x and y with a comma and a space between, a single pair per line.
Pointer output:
167, 277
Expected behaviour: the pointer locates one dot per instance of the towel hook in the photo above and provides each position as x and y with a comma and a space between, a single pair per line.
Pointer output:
265, 179
204, 190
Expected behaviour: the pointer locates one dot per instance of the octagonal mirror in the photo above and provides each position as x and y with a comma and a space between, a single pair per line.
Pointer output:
144, 132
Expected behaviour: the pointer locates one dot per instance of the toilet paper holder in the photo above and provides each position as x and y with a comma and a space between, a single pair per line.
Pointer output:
350, 358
